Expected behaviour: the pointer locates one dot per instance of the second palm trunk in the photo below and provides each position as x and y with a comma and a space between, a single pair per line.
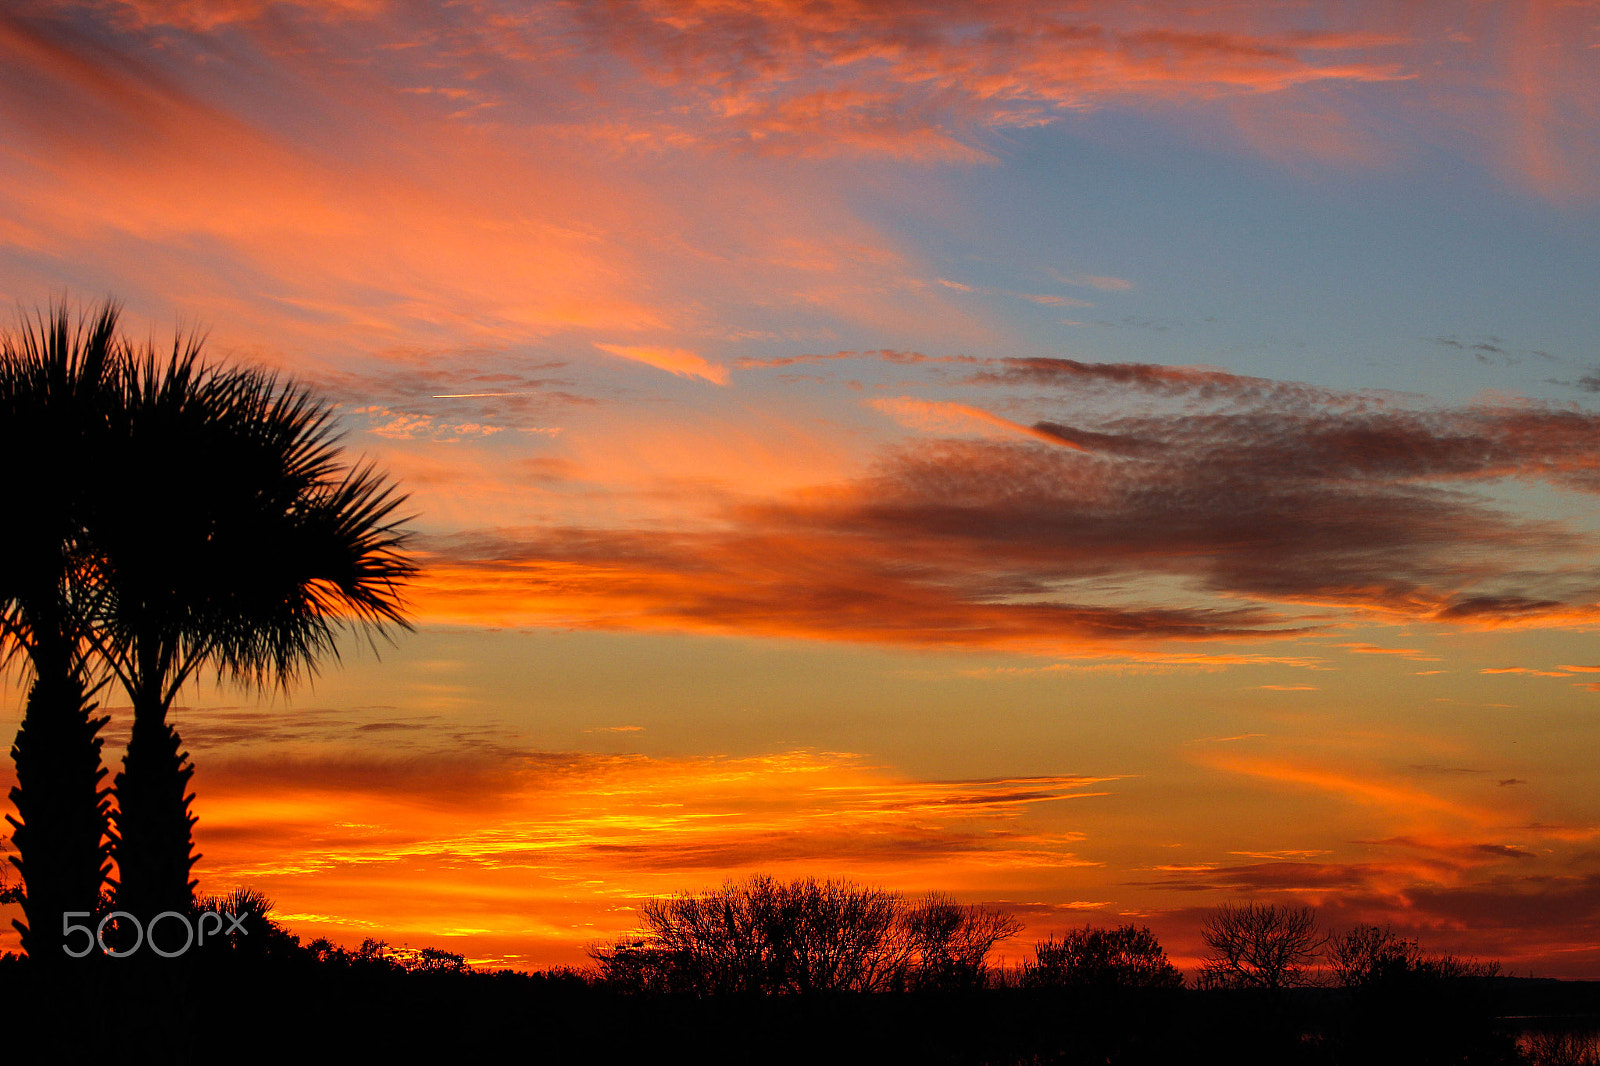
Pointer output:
155, 845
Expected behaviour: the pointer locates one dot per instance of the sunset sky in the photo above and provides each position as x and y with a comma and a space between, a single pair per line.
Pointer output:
1098, 459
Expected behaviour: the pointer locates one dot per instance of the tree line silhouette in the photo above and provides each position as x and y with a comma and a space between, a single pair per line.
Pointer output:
827, 970
172, 515
762, 936
811, 970
1273, 985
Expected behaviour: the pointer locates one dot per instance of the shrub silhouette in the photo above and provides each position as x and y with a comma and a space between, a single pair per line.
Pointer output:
1409, 1007
1375, 957
804, 937
246, 931
432, 960
1088, 958
1561, 1049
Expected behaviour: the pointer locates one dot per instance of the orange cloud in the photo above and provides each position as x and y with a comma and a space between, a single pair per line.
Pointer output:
204, 15
1396, 803
925, 83
1149, 660
1414, 654
1549, 138
444, 834
936, 415
855, 77
385, 221
353, 242
527, 858
782, 586
673, 360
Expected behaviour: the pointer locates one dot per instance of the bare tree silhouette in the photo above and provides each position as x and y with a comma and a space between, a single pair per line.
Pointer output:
1259, 945
803, 937
949, 942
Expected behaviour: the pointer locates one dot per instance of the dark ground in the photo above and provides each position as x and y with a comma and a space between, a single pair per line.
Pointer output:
343, 1008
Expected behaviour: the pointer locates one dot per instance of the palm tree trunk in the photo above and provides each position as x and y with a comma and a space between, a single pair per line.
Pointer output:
155, 845
61, 828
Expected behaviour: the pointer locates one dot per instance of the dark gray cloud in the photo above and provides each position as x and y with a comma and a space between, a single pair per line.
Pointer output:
1272, 510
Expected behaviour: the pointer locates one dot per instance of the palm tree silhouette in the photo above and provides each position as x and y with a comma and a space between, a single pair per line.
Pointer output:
57, 389
231, 535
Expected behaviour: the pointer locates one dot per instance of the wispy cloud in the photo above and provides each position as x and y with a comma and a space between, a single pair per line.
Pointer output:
944, 415
1279, 510
623, 825
1395, 799
673, 360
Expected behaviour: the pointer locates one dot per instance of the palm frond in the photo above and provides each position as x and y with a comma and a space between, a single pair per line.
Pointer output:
57, 386
267, 544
